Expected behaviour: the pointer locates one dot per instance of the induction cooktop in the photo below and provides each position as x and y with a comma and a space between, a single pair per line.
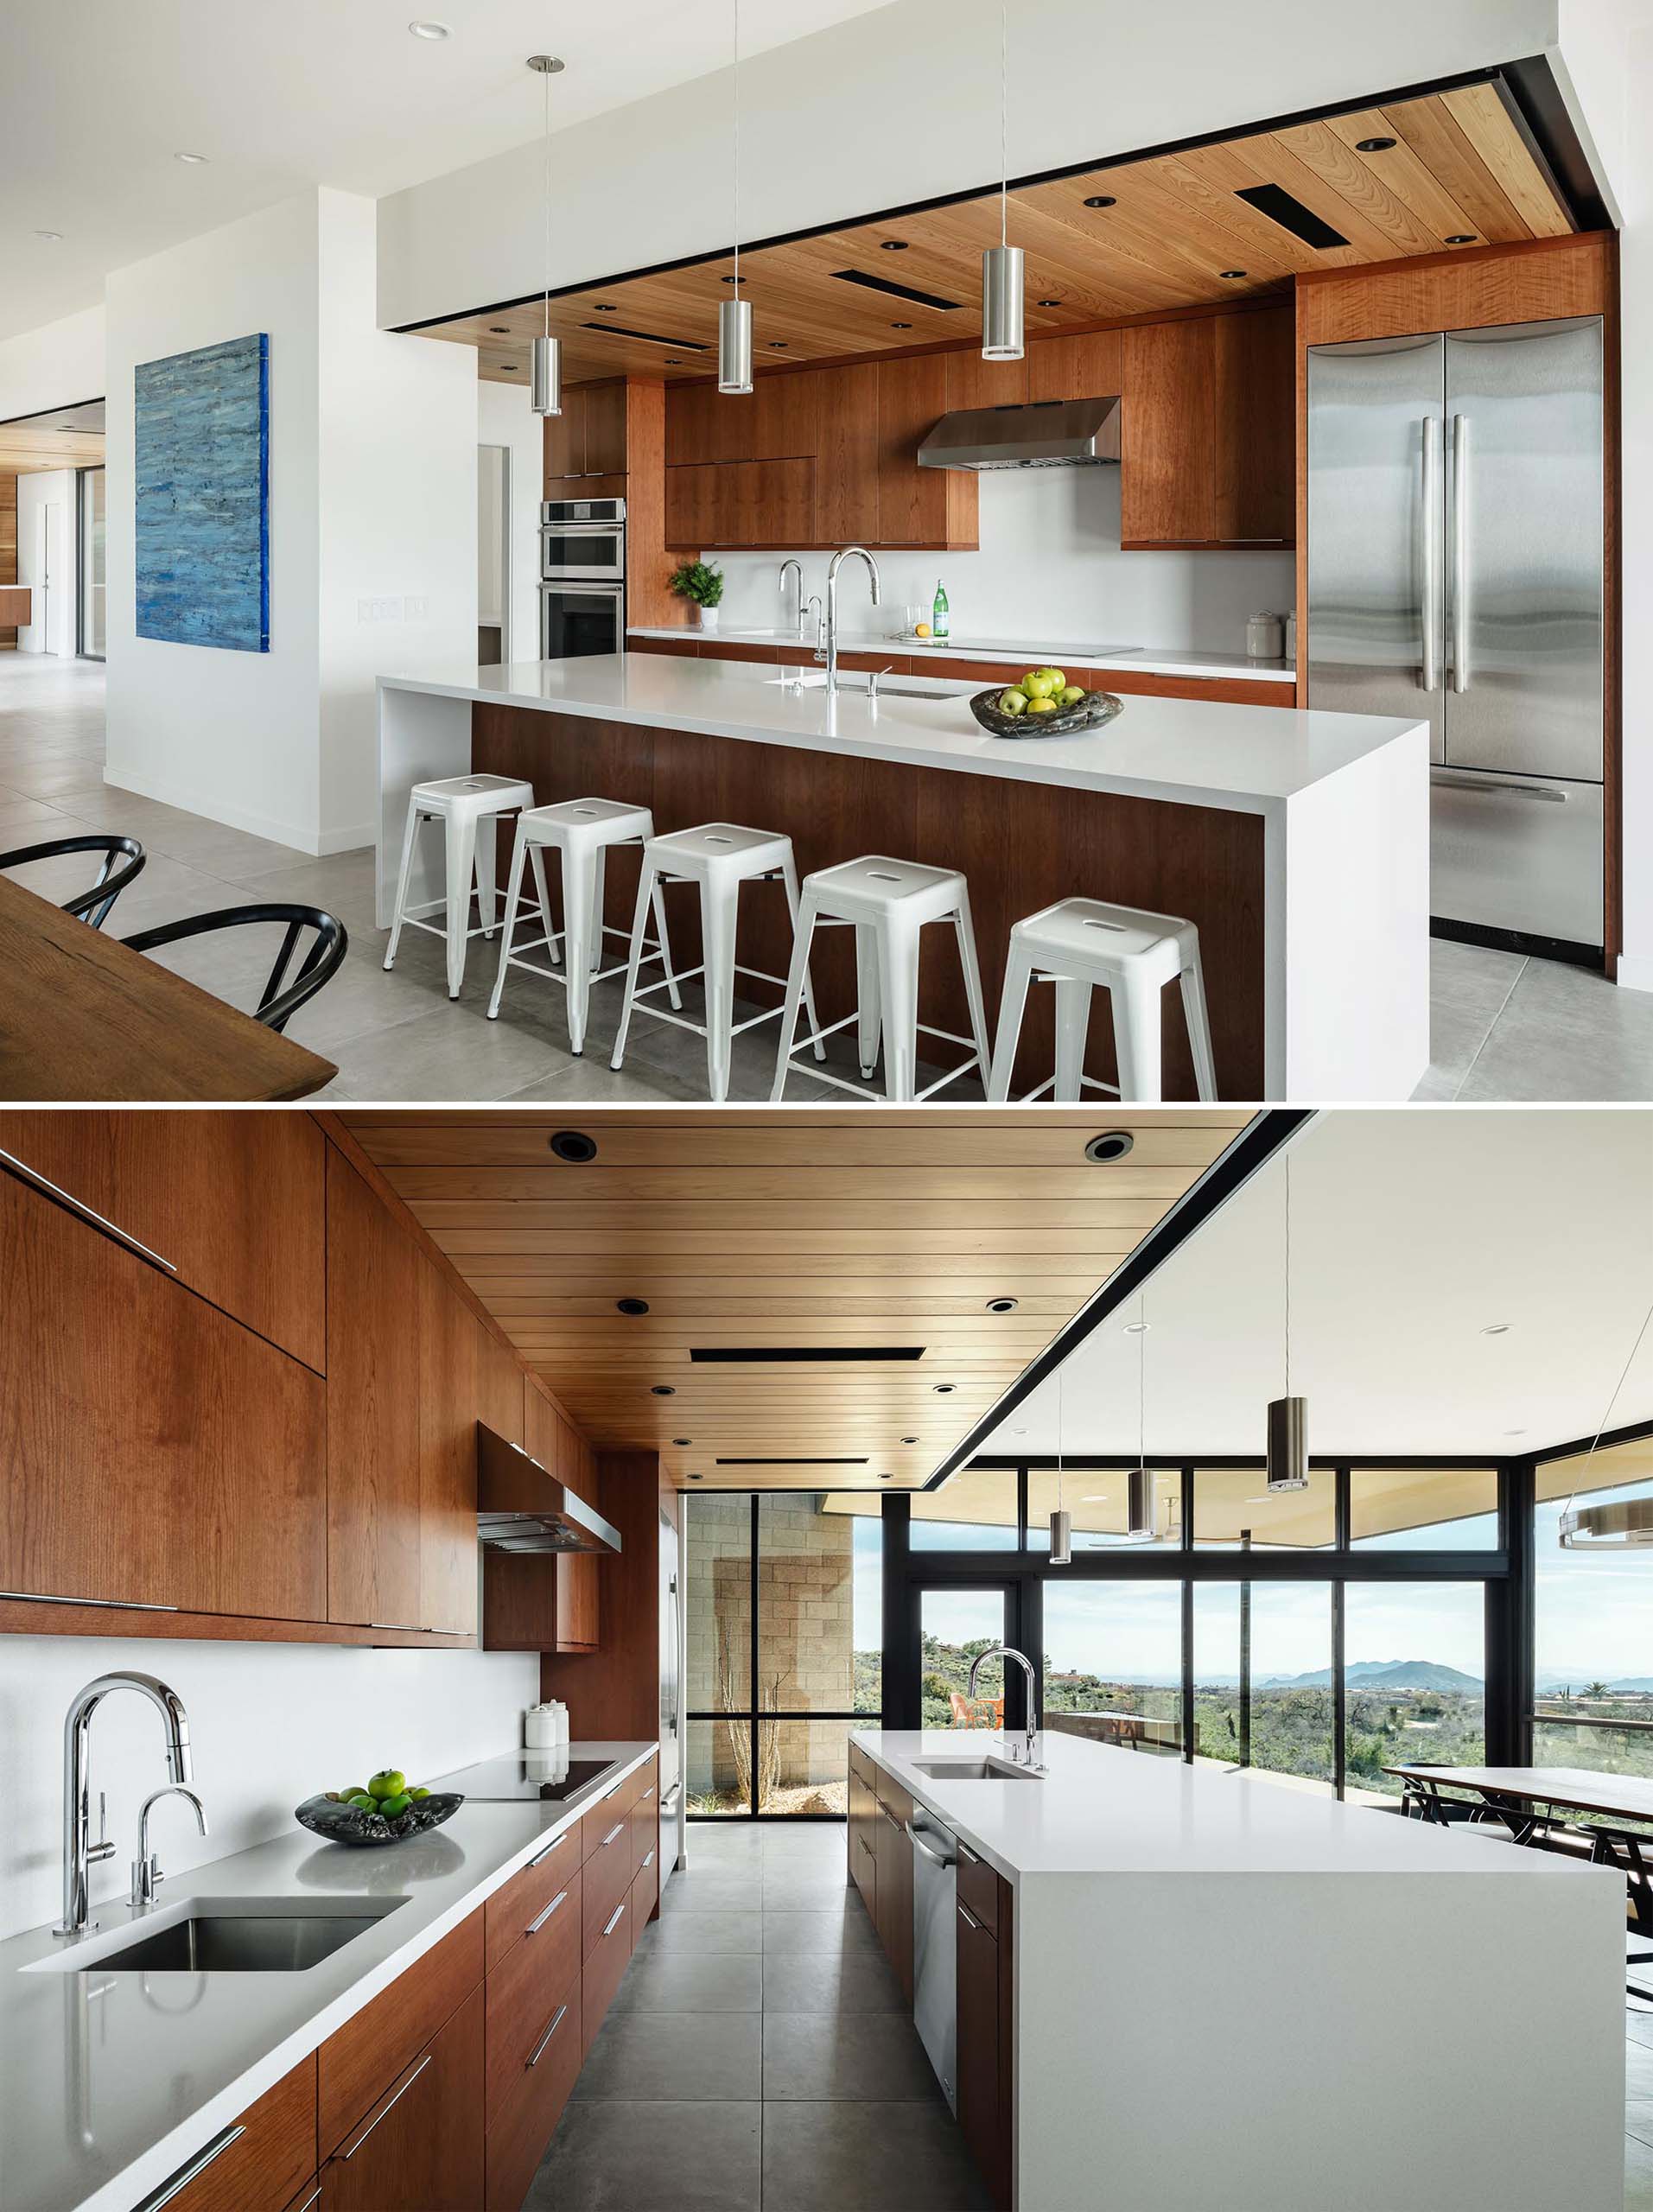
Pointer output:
529, 1775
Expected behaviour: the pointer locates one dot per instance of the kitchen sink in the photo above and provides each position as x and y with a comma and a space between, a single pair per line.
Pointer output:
886, 690
230, 1936
981, 1769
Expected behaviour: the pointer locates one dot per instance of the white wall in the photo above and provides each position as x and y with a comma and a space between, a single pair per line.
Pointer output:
1607, 49
1049, 568
504, 418
37, 490
372, 514
898, 106
271, 1723
57, 366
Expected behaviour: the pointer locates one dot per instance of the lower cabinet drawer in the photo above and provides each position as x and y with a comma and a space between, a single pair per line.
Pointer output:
645, 1893
613, 1805
608, 1874
605, 1968
360, 2062
978, 1888
511, 1911
525, 1988
645, 1817
421, 2148
262, 2160
532, 2105
866, 1871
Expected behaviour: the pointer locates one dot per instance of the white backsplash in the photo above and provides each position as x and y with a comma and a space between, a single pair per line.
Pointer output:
271, 1723
1050, 567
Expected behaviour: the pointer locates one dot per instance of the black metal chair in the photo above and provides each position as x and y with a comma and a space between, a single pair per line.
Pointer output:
279, 1000
92, 906
1625, 1850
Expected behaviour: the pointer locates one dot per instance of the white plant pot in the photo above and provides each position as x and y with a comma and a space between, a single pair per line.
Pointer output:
708, 617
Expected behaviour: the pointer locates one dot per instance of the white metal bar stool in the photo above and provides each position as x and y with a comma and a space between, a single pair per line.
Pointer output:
888, 903
1084, 944
461, 803
719, 857
581, 831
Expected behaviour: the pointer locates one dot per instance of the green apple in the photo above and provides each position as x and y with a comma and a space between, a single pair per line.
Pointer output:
362, 1802
420, 1792
355, 1790
1071, 694
393, 1807
1038, 683
1059, 681
1013, 702
391, 1782
1041, 706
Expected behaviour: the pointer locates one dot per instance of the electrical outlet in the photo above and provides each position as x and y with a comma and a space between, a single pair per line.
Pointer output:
387, 609
418, 610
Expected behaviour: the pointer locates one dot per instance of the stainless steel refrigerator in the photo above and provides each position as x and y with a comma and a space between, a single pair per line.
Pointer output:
1456, 573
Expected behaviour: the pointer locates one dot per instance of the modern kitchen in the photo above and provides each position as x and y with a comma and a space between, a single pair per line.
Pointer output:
915, 1670
1234, 492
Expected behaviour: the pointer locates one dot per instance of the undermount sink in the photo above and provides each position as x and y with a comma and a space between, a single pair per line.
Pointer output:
793, 682
230, 1936
977, 1770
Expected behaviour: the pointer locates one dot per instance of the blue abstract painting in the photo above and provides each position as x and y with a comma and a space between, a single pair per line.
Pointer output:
202, 459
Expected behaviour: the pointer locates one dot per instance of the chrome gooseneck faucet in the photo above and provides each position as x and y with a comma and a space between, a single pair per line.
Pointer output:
848, 553
1030, 1741
146, 1867
79, 1849
798, 604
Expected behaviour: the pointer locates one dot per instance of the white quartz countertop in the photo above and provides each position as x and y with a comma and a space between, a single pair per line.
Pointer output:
110, 2081
1099, 1810
1065, 654
1194, 753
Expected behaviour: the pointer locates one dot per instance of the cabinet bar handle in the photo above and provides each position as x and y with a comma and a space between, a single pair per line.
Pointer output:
556, 1844
534, 1926
395, 2098
180, 2181
111, 1604
967, 1855
48, 1189
539, 2048
647, 1794
312, 2199
620, 1914
969, 1919
619, 1828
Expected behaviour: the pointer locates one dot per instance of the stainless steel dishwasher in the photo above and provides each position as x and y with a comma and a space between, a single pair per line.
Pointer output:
935, 1946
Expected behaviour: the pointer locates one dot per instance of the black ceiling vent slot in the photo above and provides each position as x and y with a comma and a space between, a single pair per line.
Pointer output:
896, 291
1278, 205
648, 337
791, 1463
755, 1355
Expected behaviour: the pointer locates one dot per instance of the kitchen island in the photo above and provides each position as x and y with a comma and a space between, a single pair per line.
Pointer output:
1296, 842
1212, 1991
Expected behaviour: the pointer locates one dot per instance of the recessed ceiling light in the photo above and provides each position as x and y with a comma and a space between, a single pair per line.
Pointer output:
610, 309
1095, 1498
674, 364
1050, 303
1019, 1432
944, 1389
884, 1478
681, 1440
1001, 1305
893, 245
663, 1389
1514, 1432
574, 1145
909, 1439
55, 237
1496, 1329
630, 1305
500, 329
508, 368
1112, 1144
195, 161
694, 1478
900, 326
1462, 237
1100, 200
778, 344
427, 29
731, 280
1374, 145
1231, 275
1137, 1328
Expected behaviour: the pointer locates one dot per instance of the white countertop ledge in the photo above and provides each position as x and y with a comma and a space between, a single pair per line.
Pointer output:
110, 2082
1189, 753
1147, 660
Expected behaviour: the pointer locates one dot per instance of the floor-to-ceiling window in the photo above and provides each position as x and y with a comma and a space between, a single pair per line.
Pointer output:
783, 1606
1592, 1619
91, 595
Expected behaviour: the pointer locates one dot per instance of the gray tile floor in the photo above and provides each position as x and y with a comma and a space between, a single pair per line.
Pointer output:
758, 2054
1503, 1028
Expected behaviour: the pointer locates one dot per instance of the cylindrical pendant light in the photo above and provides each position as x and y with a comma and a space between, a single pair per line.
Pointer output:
734, 314
1139, 1482
1138, 1503
1061, 1521
545, 354
1002, 273
1620, 1523
1287, 1417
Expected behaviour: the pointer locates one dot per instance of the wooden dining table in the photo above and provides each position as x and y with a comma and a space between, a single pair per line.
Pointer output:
84, 1017
1535, 1791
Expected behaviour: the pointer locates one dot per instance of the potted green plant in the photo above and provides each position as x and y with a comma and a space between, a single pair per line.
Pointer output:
701, 585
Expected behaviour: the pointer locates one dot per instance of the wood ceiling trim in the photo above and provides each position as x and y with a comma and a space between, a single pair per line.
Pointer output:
1460, 165
839, 1229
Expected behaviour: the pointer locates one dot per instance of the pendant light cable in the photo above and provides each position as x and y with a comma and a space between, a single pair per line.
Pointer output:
547, 82
1004, 122
1288, 1275
1606, 1416
734, 78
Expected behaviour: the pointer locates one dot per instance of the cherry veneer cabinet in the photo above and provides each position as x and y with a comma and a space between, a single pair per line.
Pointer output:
893, 1893
548, 1601
234, 1202
271, 2164
158, 1453
609, 442
823, 456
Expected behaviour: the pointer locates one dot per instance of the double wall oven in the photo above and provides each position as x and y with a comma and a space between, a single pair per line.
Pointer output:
582, 578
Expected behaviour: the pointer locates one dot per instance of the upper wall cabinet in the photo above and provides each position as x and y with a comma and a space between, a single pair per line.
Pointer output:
1087, 366
232, 1202
158, 1453
1207, 438
544, 1601
588, 439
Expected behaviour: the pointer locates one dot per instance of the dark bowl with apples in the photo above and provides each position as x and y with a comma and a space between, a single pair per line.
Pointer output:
386, 1811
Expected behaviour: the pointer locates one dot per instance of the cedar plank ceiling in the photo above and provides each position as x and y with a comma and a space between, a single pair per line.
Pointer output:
856, 1227
1459, 168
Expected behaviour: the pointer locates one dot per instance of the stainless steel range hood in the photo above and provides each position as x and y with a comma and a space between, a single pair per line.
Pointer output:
1051, 434
522, 1507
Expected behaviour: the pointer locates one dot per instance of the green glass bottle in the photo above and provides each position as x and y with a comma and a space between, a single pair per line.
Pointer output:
939, 613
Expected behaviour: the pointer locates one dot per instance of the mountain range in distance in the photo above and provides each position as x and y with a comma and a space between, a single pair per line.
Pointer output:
1383, 1674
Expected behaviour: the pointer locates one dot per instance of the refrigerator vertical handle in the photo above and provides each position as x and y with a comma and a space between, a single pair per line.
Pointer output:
1461, 598
1429, 524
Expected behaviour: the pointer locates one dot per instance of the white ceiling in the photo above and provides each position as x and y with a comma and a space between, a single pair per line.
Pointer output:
1411, 1232
98, 96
